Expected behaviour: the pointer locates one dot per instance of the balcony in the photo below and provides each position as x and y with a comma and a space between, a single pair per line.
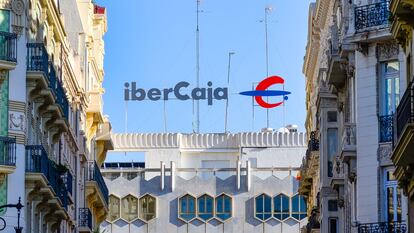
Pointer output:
338, 176
96, 191
310, 165
348, 142
402, 20
7, 155
386, 128
382, 227
85, 220
336, 75
43, 178
103, 141
43, 85
372, 16
404, 129
8, 50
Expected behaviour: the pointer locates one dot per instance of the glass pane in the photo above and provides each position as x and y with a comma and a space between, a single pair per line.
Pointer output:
285, 204
201, 205
227, 205
398, 204
183, 205
220, 204
268, 204
191, 205
390, 199
259, 204
392, 67
278, 203
396, 92
332, 225
332, 148
113, 208
302, 204
209, 204
4, 20
295, 204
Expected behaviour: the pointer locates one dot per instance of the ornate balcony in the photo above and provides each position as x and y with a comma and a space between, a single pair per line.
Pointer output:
336, 75
44, 86
8, 50
7, 156
404, 129
382, 227
348, 142
386, 128
96, 191
85, 220
43, 180
402, 20
372, 16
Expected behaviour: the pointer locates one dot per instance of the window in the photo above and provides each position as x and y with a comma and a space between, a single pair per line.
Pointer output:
147, 207
281, 207
298, 207
332, 116
332, 148
113, 208
332, 205
392, 198
390, 87
4, 20
187, 208
205, 206
223, 207
333, 225
263, 207
129, 208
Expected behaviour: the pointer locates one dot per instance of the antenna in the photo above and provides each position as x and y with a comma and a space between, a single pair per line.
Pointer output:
268, 9
197, 102
227, 100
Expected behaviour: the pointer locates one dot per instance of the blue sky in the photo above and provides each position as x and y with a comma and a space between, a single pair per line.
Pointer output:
153, 43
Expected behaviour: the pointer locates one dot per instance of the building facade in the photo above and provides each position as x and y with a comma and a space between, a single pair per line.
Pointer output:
53, 134
402, 30
245, 182
355, 73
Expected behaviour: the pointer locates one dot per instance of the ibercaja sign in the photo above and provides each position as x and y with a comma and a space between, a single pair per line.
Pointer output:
180, 90
131, 92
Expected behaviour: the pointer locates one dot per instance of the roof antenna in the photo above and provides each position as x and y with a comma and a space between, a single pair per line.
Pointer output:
268, 9
227, 100
196, 103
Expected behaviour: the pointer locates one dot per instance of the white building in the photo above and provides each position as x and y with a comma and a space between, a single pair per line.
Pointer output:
243, 182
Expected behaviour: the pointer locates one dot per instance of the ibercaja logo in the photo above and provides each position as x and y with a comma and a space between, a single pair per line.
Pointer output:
261, 91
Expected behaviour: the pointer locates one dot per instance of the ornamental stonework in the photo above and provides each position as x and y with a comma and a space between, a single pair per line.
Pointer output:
387, 51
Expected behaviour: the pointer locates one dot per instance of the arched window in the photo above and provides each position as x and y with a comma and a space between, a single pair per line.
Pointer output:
147, 207
298, 207
187, 208
281, 207
263, 207
129, 208
205, 207
114, 208
224, 207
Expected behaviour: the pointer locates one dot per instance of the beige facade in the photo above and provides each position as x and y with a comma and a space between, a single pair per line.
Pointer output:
354, 73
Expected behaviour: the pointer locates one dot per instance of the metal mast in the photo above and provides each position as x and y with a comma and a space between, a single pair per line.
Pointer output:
197, 102
267, 10
227, 100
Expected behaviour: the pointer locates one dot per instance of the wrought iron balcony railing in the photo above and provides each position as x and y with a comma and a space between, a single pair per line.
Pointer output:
37, 161
405, 112
7, 151
85, 218
68, 180
386, 128
37, 58
94, 174
372, 15
313, 144
383, 227
8, 46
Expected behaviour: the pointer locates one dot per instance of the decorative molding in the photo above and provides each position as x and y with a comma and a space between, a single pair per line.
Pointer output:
384, 154
16, 121
387, 51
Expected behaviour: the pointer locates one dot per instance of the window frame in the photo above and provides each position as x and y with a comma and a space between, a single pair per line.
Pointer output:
137, 206
216, 212
141, 213
281, 212
206, 195
394, 185
263, 213
299, 207
109, 208
384, 76
179, 212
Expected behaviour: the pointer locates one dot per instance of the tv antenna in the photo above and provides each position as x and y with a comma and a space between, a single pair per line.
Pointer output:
268, 9
228, 83
196, 103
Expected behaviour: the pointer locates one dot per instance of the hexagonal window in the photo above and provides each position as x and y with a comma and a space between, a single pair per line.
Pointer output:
205, 207
281, 208
299, 208
129, 208
187, 208
114, 208
224, 207
263, 207
147, 207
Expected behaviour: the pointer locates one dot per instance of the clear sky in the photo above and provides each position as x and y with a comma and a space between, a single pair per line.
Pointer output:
152, 42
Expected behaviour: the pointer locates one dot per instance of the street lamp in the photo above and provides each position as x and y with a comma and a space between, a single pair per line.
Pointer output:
18, 206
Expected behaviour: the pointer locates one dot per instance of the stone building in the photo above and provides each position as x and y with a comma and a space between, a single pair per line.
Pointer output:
53, 134
244, 182
355, 71
402, 29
